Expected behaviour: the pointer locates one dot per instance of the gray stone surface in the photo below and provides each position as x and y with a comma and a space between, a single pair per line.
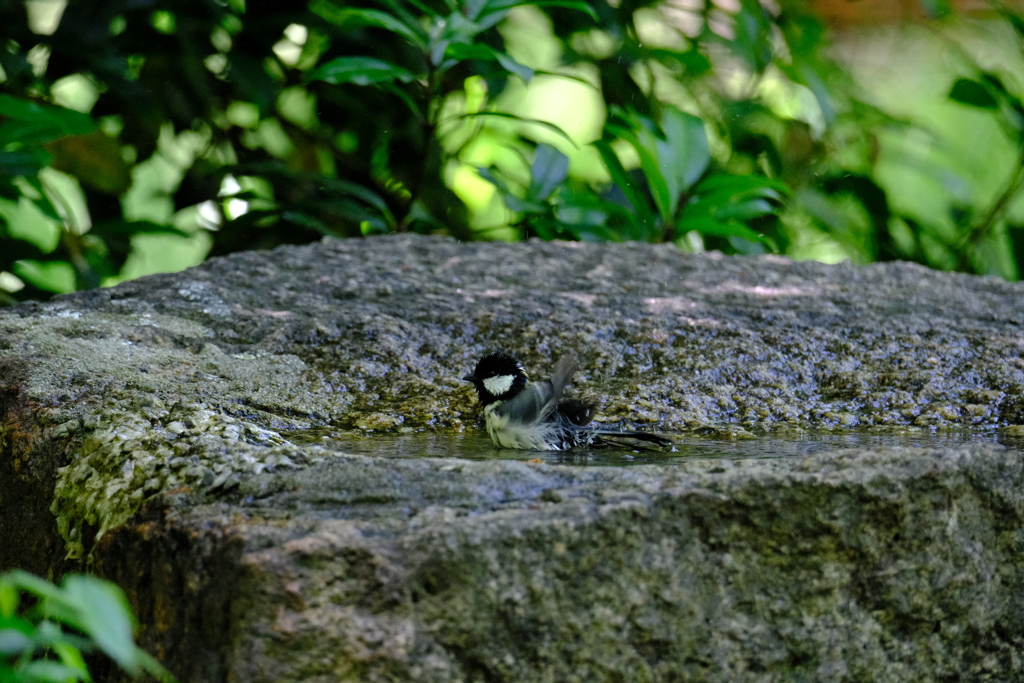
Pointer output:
147, 431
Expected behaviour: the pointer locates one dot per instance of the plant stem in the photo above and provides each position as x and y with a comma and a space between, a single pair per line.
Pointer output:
429, 131
985, 224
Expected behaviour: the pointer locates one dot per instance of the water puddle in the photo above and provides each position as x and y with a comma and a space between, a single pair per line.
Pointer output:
479, 446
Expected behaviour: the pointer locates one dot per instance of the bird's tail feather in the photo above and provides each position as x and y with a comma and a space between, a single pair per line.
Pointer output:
562, 375
622, 439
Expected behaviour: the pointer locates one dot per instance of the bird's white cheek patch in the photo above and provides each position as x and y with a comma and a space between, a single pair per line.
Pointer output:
498, 385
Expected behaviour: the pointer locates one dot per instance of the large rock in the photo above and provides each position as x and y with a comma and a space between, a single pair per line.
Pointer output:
163, 434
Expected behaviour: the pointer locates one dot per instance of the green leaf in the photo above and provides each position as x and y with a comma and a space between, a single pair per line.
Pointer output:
488, 175
590, 218
420, 214
438, 49
307, 221
367, 196
24, 162
473, 8
398, 7
504, 5
550, 167
328, 186
33, 584
725, 198
753, 35
150, 665
584, 7
994, 82
49, 634
345, 209
513, 202
513, 67
71, 656
350, 18
460, 52
870, 195
646, 225
935, 9
671, 159
9, 594
973, 93
455, 28
360, 71
104, 616
758, 185
1014, 19
684, 152
96, 608
491, 20
405, 97
521, 206
645, 145
568, 77
522, 119
693, 61
35, 123
709, 226
743, 210
809, 73
27, 133
49, 671
14, 642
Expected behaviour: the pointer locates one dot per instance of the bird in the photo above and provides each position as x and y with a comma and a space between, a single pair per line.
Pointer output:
529, 416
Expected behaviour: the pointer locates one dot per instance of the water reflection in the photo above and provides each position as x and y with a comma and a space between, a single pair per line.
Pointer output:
479, 446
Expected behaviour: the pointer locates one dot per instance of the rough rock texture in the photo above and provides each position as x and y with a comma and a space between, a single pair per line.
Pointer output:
146, 431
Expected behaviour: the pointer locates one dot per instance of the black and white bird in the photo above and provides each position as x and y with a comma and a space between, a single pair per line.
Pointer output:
528, 416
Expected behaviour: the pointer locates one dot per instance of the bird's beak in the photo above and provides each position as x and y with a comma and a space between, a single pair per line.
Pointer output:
469, 378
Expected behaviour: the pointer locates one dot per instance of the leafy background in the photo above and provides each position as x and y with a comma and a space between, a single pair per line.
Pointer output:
139, 136
46, 630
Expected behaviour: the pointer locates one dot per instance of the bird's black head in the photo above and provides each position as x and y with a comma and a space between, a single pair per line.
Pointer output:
497, 377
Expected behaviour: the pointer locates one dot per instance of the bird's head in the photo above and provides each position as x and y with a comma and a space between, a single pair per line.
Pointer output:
497, 377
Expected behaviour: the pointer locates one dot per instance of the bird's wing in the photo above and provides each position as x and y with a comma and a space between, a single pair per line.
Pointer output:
536, 400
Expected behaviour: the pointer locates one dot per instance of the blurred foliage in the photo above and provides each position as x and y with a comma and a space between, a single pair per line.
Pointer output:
144, 135
46, 629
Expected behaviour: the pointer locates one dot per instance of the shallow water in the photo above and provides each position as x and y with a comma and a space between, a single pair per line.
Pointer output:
479, 446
